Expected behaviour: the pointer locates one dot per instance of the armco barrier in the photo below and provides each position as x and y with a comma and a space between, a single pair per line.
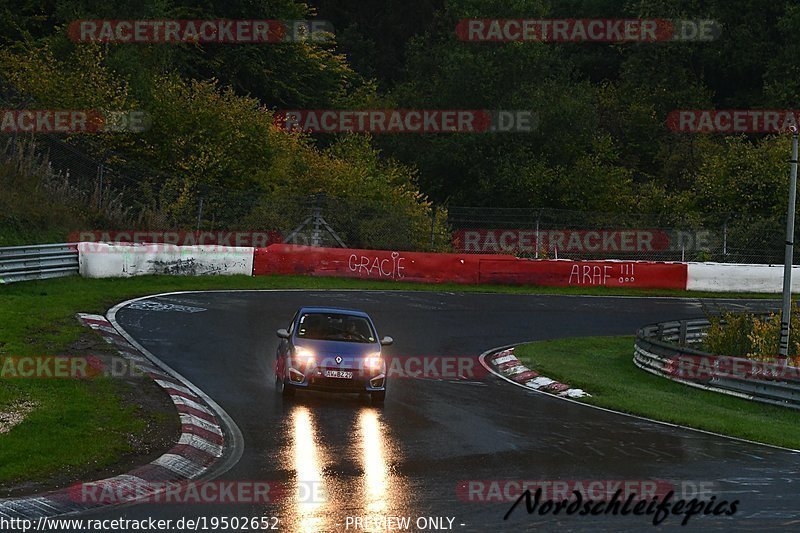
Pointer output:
22, 263
101, 260
728, 277
669, 350
464, 268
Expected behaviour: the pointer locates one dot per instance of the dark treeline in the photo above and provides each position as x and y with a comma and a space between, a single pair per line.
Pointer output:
602, 143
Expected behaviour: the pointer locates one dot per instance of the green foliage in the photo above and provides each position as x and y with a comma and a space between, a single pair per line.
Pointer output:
728, 334
752, 336
742, 176
208, 142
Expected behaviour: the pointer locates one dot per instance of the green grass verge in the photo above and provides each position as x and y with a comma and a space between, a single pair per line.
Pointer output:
86, 423
603, 366
75, 424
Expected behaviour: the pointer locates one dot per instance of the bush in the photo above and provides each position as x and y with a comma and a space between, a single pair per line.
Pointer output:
752, 336
729, 334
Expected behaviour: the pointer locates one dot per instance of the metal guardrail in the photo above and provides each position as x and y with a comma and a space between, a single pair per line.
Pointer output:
21, 263
669, 350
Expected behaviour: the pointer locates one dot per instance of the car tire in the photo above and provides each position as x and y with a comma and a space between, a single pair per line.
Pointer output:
280, 386
378, 397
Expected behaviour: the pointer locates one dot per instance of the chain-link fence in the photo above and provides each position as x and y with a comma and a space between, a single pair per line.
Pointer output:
566, 234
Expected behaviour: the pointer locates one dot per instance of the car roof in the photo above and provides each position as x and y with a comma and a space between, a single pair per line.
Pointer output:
337, 310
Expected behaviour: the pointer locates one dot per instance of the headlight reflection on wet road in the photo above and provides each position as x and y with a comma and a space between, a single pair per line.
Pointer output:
362, 490
374, 463
310, 497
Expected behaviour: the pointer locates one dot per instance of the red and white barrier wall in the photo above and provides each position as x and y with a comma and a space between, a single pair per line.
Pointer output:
121, 260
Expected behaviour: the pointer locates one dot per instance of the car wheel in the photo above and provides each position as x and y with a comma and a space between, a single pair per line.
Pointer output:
281, 387
378, 397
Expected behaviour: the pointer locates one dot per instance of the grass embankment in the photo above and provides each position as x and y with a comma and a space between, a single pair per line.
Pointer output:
603, 366
81, 427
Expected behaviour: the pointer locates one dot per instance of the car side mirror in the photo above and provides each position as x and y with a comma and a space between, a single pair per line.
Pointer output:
386, 341
282, 333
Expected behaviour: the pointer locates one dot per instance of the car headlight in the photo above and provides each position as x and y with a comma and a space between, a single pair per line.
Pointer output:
373, 362
302, 355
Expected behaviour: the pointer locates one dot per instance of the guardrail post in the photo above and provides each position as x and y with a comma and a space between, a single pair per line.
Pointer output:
682, 334
786, 309
725, 239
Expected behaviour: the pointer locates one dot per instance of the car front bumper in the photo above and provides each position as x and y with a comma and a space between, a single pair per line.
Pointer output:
316, 380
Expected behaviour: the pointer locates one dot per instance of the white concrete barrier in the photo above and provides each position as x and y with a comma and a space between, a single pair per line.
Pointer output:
103, 260
731, 277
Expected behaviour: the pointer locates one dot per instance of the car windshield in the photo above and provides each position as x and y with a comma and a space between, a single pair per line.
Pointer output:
335, 327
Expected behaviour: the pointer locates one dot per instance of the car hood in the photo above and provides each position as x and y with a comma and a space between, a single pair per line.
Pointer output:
349, 350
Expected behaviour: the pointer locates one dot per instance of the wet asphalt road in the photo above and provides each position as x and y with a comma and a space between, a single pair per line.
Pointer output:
408, 457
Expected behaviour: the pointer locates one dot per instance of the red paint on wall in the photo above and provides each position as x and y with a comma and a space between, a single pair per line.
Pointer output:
634, 274
464, 268
370, 264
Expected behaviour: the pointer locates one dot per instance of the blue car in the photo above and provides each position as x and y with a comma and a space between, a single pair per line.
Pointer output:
333, 350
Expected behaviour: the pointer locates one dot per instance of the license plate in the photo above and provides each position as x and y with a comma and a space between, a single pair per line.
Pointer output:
341, 374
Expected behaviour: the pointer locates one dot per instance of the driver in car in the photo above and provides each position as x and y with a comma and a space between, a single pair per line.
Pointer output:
352, 329
355, 330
